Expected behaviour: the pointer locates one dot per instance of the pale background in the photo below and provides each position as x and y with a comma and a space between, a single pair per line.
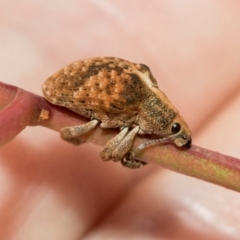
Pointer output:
52, 190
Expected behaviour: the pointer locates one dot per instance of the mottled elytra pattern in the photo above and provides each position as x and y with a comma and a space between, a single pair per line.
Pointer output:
109, 84
115, 93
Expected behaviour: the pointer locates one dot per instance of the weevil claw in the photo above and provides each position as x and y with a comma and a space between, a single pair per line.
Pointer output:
130, 162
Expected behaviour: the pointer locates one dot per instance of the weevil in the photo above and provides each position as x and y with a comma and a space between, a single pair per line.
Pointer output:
116, 93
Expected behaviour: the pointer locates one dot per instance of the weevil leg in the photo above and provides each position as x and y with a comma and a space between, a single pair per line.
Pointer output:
70, 134
122, 151
106, 153
132, 163
124, 147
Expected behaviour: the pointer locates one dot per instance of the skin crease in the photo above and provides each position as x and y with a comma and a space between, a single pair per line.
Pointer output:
52, 190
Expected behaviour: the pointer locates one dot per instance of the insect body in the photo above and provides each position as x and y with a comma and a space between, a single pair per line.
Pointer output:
116, 93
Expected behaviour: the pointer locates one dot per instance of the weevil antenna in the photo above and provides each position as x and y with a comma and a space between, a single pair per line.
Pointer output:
154, 142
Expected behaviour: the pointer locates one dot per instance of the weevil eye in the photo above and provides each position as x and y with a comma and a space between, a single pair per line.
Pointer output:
176, 128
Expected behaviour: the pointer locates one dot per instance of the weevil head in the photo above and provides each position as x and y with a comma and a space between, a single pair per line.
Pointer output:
180, 133
160, 117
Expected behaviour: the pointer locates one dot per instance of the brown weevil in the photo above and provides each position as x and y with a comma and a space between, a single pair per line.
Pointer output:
116, 93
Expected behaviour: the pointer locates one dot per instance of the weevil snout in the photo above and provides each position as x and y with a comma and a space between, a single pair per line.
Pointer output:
182, 138
183, 142
188, 144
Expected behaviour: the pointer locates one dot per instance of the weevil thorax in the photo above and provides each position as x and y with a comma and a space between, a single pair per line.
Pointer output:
158, 116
